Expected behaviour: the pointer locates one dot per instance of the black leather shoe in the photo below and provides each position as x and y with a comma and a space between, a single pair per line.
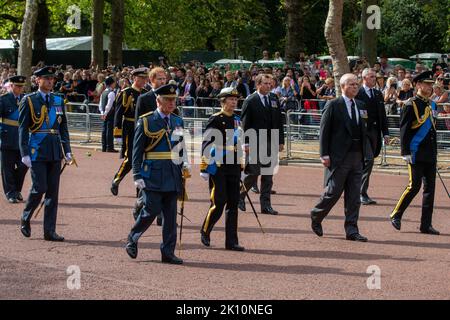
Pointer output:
235, 247
273, 192
112, 151
356, 237
159, 220
114, 189
19, 196
317, 228
367, 201
205, 238
25, 228
430, 230
53, 236
241, 205
171, 259
396, 223
132, 248
269, 210
13, 200
254, 189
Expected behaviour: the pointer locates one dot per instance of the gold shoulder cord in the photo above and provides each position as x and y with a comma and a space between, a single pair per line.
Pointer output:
126, 103
37, 122
154, 136
419, 122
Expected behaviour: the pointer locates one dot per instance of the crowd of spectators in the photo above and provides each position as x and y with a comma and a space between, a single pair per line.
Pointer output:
304, 87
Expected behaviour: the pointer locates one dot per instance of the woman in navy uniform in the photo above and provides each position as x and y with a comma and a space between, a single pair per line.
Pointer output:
44, 142
124, 123
12, 168
419, 150
159, 168
221, 166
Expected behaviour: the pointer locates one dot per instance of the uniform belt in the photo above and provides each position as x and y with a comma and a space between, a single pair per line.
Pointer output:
50, 131
9, 122
161, 156
128, 119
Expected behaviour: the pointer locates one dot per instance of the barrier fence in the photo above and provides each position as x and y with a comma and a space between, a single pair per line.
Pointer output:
302, 127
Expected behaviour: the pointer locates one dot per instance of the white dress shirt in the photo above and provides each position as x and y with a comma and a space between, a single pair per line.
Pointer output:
348, 103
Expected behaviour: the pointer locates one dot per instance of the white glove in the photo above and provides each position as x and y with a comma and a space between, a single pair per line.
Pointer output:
187, 167
407, 158
243, 175
118, 141
26, 161
204, 175
140, 184
68, 157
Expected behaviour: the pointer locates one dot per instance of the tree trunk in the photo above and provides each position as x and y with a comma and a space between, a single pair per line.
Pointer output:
26, 40
335, 42
295, 29
117, 30
97, 33
41, 31
369, 31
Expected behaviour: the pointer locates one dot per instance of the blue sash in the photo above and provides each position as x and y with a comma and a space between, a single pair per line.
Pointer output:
212, 167
421, 134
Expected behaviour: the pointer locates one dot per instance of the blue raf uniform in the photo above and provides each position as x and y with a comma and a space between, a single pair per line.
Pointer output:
12, 169
44, 138
158, 161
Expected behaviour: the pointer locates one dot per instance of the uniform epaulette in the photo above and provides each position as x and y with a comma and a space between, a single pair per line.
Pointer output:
217, 113
126, 89
4, 94
146, 114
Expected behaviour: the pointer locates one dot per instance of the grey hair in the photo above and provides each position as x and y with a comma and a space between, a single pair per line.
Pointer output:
347, 77
366, 72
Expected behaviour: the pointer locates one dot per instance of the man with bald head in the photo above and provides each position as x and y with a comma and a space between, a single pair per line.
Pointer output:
342, 148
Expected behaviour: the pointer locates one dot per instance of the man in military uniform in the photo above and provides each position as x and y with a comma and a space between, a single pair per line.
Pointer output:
419, 150
221, 166
44, 142
159, 171
12, 168
145, 104
124, 123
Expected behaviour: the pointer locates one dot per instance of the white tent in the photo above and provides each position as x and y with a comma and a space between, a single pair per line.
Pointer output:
72, 43
232, 61
426, 56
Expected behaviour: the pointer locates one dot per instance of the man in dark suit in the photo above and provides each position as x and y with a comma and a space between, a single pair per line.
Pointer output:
107, 110
376, 127
147, 103
261, 115
12, 169
44, 142
342, 148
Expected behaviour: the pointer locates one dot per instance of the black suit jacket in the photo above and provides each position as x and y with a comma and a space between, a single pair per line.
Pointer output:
255, 116
145, 103
9, 111
336, 131
377, 120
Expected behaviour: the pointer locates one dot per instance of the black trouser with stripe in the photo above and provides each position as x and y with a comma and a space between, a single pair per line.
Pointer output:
418, 172
13, 172
224, 189
45, 177
127, 152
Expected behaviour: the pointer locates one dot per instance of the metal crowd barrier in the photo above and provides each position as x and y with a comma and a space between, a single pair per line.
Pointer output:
302, 128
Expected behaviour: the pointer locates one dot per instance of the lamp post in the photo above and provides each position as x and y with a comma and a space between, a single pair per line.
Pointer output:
15, 39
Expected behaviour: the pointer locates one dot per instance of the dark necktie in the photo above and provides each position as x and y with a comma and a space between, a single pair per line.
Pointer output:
266, 102
17, 100
47, 100
354, 121
372, 95
166, 120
